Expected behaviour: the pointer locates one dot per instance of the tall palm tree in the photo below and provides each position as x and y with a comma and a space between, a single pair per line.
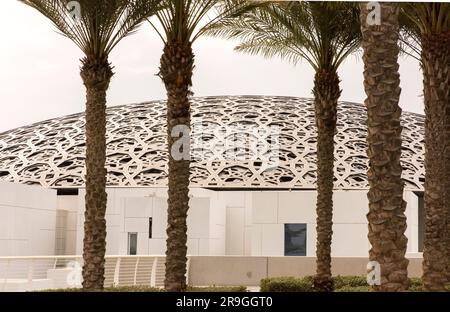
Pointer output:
182, 23
323, 34
387, 220
429, 28
96, 29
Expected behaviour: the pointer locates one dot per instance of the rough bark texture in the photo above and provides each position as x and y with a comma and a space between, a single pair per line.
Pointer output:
96, 77
436, 72
176, 71
387, 220
326, 94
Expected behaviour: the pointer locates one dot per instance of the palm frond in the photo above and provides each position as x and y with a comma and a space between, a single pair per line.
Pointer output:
322, 33
421, 19
428, 17
409, 41
101, 24
185, 21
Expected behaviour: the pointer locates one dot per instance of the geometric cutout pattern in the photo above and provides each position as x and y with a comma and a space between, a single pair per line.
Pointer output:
228, 148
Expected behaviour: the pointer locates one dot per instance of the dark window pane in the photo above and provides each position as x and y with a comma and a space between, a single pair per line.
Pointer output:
150, 226
295, 239
421, 212
132, 243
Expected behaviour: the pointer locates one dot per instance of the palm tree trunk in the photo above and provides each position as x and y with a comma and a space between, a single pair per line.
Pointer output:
387, 220
436, 72
176, 72
445, 89
96, 77
326, 94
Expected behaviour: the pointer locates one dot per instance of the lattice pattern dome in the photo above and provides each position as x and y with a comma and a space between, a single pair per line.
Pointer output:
51, 153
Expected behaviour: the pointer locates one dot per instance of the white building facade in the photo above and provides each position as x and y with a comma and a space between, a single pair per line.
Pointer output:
252, 181
28, 217
250, 223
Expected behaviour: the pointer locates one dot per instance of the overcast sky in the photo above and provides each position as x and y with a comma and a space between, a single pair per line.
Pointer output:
39, 71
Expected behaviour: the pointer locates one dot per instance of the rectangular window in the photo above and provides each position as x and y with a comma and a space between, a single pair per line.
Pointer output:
132, 243
150, 226
295, 239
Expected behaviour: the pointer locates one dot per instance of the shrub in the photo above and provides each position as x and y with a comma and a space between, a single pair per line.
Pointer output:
287, 284
341, 284
61, 290
305, 284
349, 281
155, 289
133, 289
111, 289
347, 288
415, 281
217, 289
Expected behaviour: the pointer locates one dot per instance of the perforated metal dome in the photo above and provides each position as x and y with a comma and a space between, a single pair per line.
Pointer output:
51, 153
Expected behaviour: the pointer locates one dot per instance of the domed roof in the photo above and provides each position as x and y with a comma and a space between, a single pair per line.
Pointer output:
229, 148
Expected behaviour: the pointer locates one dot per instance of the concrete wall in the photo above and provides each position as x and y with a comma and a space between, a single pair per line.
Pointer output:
248, 271
239, 222
217, 218
27, 220
66, 225
271, 210
128, 211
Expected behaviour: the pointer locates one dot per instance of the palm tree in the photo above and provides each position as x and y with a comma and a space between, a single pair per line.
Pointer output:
182, 23
96, 29
324, 35
428, 25
387, 220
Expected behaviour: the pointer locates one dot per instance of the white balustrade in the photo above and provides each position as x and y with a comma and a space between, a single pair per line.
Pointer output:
58, 272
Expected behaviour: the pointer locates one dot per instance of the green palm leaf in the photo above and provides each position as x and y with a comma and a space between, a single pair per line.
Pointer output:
101, 24
185, 21
322, 33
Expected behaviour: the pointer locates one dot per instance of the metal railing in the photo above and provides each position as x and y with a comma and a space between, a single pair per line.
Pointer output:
59, 272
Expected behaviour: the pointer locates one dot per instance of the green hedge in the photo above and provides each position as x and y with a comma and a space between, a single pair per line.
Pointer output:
417, 286
287, 284
341, 284
349, 281
110, 289
154, 289
218, 289
366, 288
305, 284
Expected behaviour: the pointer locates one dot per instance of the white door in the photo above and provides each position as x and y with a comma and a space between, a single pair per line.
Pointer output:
234, 242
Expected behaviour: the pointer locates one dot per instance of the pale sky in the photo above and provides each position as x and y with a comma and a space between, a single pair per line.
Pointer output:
39, 76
